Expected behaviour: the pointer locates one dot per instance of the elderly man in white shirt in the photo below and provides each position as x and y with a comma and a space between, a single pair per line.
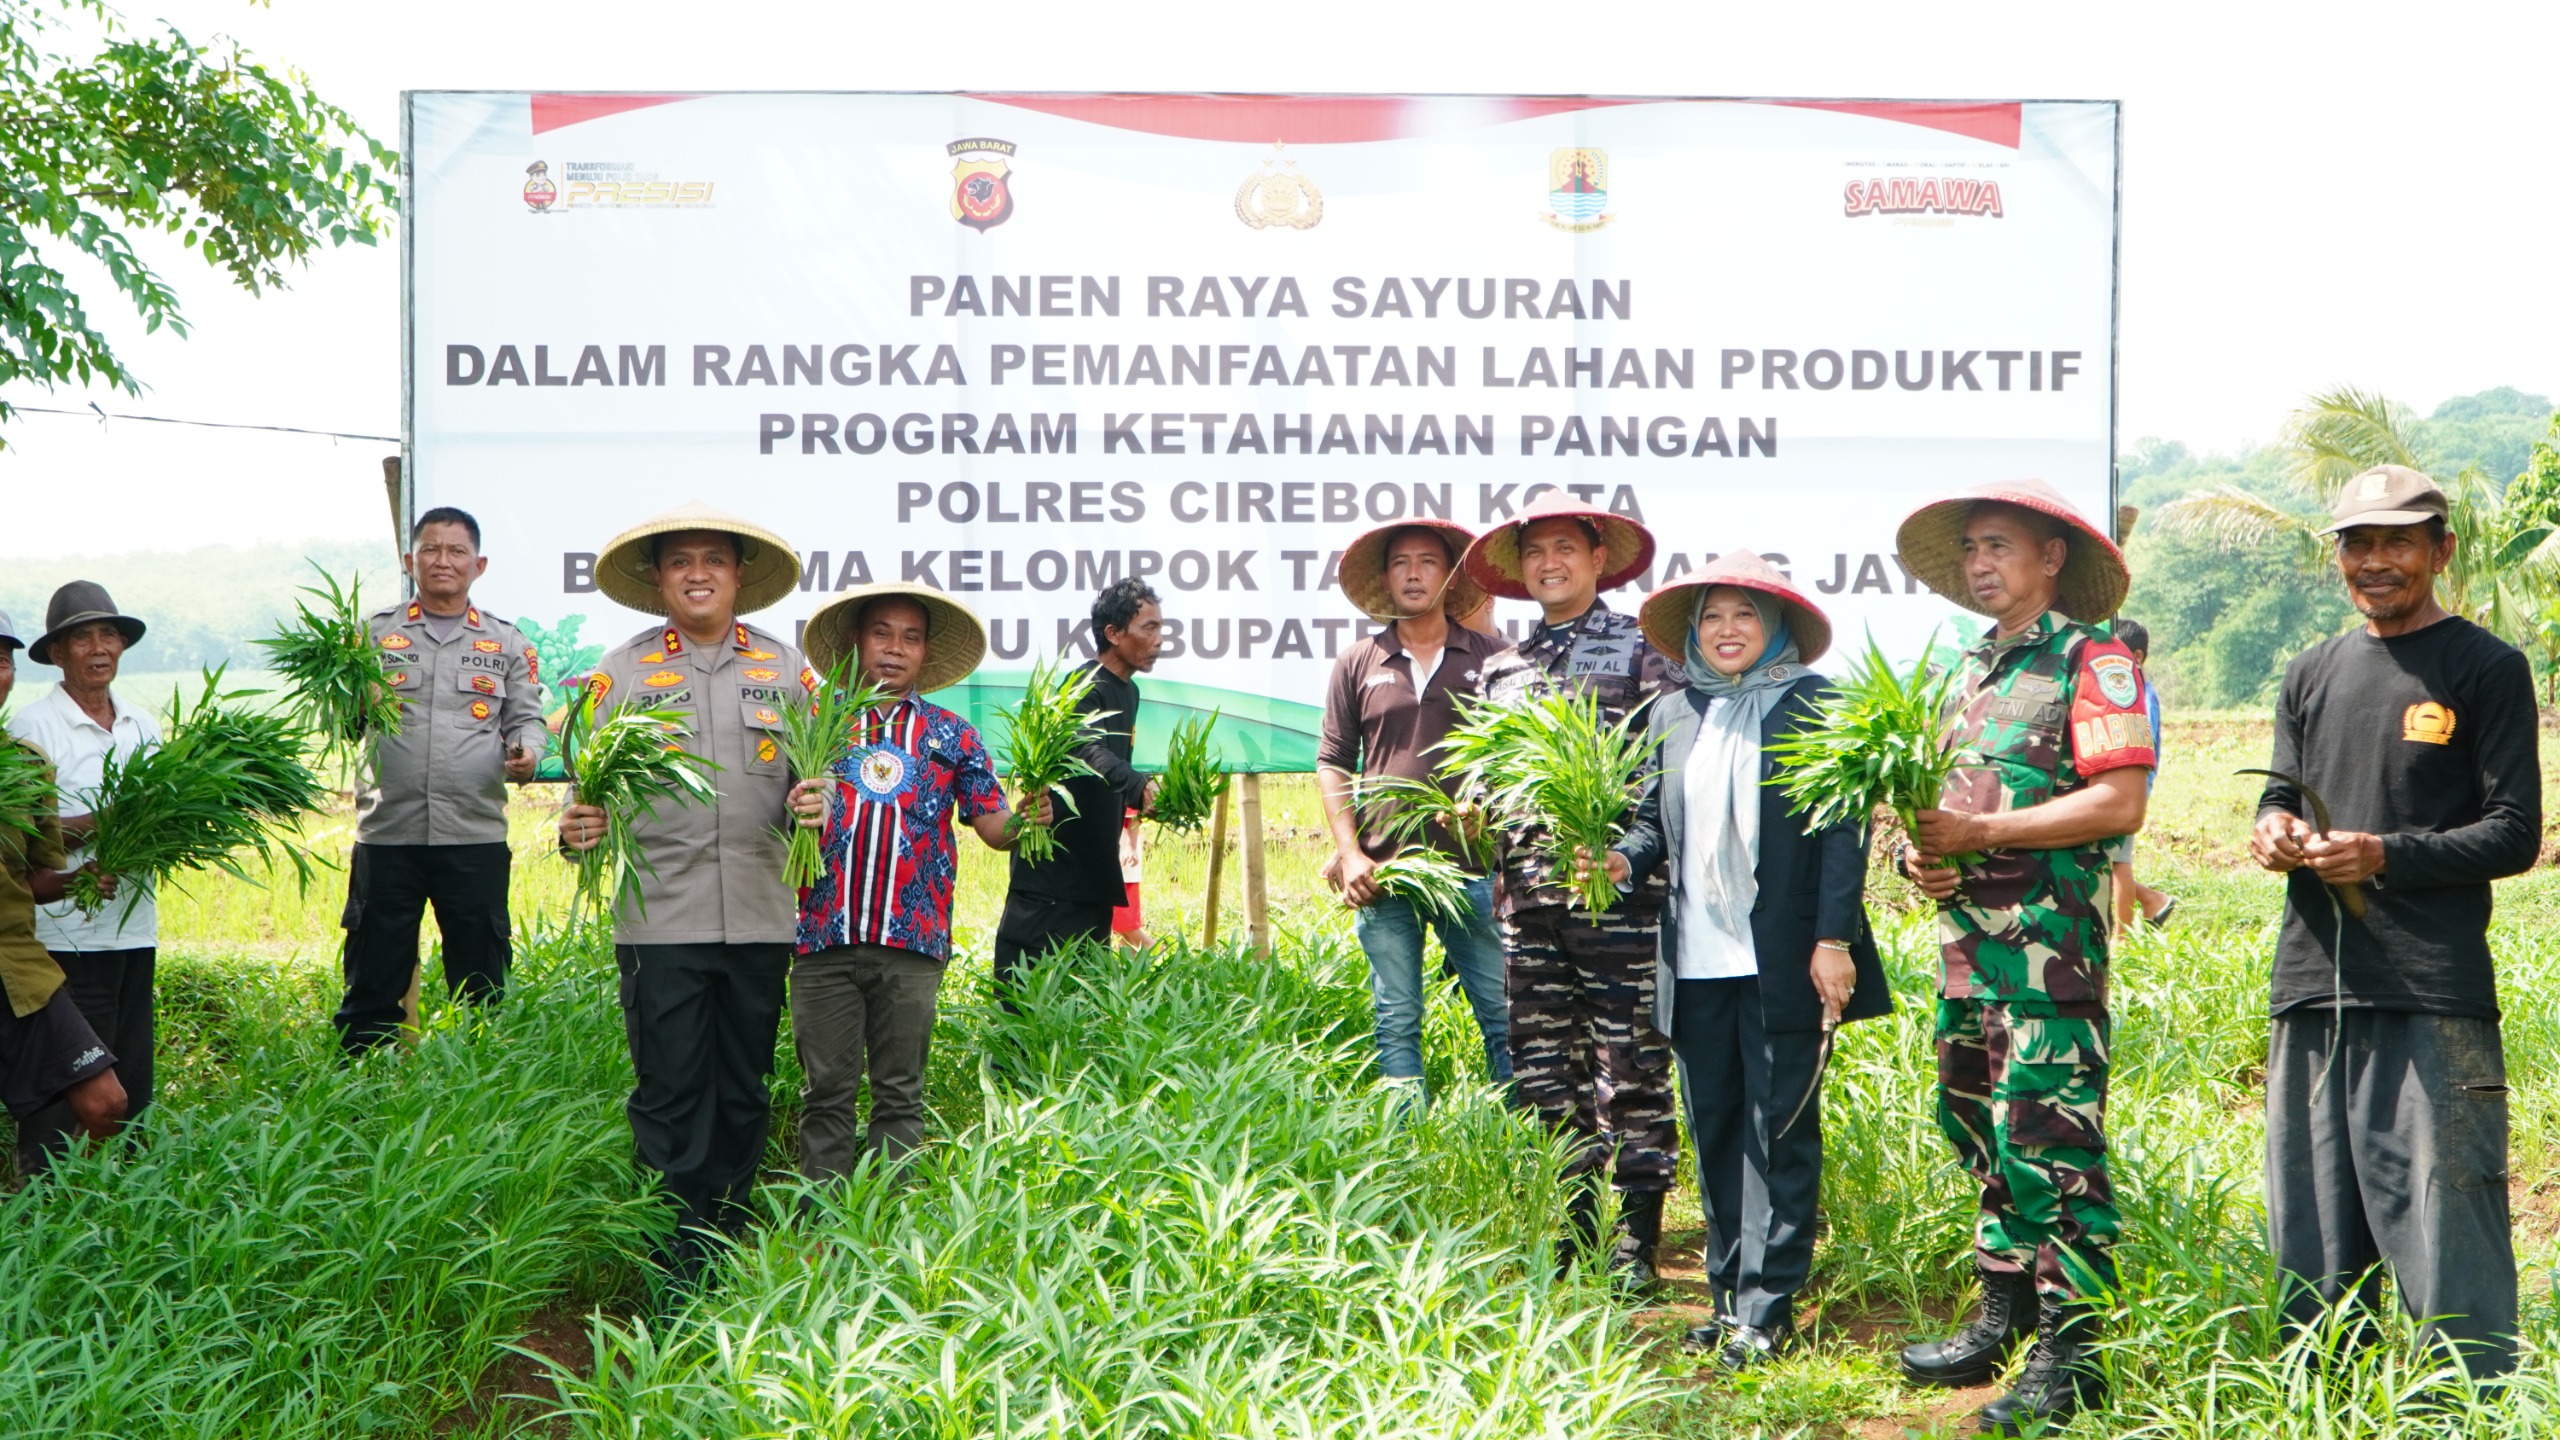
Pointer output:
107, 959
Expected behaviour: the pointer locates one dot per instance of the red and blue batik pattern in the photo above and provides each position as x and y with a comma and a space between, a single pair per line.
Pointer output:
889, 862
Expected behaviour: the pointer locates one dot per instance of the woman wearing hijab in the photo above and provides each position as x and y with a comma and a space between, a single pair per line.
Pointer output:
1765, 945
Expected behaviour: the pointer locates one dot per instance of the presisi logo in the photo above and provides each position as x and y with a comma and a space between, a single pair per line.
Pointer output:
1911, 195
609, 185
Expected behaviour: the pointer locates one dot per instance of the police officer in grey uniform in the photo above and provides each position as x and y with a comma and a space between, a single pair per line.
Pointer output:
431, 804
704, 955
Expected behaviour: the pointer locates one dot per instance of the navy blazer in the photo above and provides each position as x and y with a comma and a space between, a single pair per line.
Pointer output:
1812, 883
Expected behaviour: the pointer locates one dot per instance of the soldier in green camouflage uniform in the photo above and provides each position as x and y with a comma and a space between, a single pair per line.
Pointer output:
2050, 723
1585, 1053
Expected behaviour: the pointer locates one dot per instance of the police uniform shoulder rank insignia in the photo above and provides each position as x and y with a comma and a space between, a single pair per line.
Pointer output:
881, 773
2117, 679
743, 642
670, 643
485, 684
479, 709
395, 641
471, 616
414, 613
760, 674
663, 679
487, 647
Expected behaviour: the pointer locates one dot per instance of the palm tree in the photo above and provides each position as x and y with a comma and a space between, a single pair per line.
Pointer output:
2506, 567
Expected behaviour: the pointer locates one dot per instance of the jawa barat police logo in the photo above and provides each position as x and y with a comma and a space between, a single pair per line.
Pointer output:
539, 192
599, 685
1578, 189
1278, 195
980, 197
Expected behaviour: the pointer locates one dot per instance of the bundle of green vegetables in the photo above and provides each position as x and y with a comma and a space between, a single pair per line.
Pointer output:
215, 790
1552, 760
1881, 740
1042, 734
814, 737
1407, 810
1193, 778
333, 669
1429, 880
27, 791
625, 764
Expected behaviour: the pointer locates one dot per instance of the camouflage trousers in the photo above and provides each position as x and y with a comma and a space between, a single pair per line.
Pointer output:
1585, 1055
2022, 1094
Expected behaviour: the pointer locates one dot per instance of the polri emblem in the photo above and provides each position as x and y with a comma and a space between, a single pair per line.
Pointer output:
761, 674
1278, 194
981, 195
1578, 189
2117, 679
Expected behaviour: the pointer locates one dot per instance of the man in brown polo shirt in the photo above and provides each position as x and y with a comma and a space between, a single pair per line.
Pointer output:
1393, 697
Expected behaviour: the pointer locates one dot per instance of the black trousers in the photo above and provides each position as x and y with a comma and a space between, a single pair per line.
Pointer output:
2401, 1159
1033, 925
113, 990
701, 1020
1740, 1082
388, 890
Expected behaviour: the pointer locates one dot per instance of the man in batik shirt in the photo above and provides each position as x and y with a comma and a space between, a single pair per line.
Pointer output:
2056, 751
875, 930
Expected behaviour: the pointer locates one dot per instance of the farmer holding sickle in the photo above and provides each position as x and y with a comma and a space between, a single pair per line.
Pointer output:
2057, 752
2386, 1070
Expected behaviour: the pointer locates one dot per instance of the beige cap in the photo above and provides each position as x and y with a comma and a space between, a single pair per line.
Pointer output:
626, 573
1666, 613
2387, 495
1931, 541
1362, 572
955, 638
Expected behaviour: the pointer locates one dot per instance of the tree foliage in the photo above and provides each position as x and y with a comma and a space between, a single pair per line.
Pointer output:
105, 132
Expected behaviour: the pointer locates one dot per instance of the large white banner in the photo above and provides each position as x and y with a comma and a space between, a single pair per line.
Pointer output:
1018, 346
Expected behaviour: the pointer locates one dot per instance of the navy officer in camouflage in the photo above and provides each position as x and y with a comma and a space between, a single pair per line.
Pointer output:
2056, 749
1585, 1054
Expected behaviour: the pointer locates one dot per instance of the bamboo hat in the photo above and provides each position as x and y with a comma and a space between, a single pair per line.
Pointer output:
1362, 571
626, 571
955, 638
1667, 611
1931, 540
1494, 560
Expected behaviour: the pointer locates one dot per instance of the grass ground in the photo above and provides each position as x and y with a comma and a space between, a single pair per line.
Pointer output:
1188, 1213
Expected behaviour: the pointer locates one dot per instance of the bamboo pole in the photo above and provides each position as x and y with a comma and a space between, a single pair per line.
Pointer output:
1257, 911
1217, 865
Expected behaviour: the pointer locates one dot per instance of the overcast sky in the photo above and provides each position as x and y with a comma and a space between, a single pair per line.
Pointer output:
2313, 194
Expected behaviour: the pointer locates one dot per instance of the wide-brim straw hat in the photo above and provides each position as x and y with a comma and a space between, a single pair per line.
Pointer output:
1362, 571
955, 638
1494, 560
767, 567
77, 603
1931, 539
1666, 613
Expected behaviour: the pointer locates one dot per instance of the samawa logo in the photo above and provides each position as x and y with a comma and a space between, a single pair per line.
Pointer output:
539, 192
1907, 195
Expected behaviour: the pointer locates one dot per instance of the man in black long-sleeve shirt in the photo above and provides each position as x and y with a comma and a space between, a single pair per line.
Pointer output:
2386, 1074
1070, 896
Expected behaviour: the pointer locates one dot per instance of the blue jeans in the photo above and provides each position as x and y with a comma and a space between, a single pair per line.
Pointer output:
1391, 933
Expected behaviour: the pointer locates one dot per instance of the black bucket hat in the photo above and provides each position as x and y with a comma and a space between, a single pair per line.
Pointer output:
75, 605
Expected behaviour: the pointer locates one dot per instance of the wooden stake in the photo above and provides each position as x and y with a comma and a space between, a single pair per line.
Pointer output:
1217, 864
1257, 916
409, 1005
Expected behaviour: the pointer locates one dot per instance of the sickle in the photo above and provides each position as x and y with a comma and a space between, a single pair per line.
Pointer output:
1812, 1087
2350, 896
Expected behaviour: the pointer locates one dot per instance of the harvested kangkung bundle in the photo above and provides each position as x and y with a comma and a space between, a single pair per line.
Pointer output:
333, 669
1193, 778
213, 792
1430, 880
625, 765
26, 787
1554, 761
1406, 810
1880, 741
814, 737
1042, 734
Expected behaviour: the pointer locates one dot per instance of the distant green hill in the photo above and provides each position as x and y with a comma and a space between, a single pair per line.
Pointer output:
203, 606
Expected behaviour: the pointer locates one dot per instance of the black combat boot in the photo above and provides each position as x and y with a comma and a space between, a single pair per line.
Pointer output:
1639, 1235
1581, 1223
2061, 1377
1975, 1353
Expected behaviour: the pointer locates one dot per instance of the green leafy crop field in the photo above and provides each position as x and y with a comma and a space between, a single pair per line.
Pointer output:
1169, 1201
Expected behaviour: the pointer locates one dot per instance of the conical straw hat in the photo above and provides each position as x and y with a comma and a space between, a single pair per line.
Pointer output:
626, 571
